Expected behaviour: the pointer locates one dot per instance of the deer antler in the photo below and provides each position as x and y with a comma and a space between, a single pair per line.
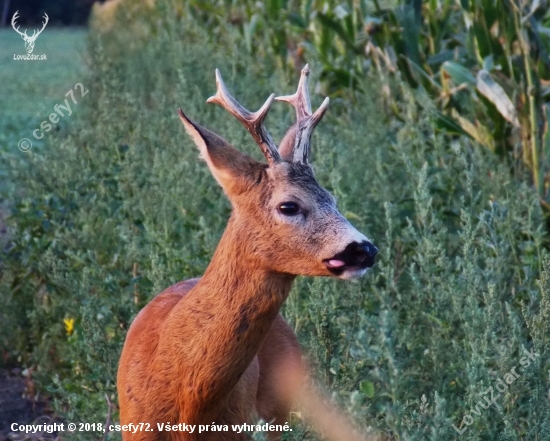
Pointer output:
306, 122
35, 33
13, 20
43, 26
253, 122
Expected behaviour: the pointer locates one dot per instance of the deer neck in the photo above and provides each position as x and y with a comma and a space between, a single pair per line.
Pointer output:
222, 322
236, 278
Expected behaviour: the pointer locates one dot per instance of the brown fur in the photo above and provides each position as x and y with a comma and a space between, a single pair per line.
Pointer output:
225, 390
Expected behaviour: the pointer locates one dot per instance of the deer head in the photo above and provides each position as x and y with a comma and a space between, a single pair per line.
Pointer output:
285, 220
29, 41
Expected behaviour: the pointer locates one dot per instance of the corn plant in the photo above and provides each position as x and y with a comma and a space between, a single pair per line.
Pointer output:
486, 65
484, 62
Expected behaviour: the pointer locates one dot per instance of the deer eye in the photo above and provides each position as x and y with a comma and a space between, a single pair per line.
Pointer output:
289, 208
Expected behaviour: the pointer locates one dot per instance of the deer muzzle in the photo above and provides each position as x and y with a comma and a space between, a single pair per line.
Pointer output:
353, 261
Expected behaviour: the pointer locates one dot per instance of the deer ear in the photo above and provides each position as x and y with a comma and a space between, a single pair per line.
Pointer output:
234, 171
286, 147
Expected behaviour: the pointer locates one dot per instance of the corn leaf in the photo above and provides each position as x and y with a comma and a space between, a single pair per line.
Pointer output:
458, 73
491, 90
477, 131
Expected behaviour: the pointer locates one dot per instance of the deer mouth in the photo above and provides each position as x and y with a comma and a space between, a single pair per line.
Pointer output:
353, 261
339, 268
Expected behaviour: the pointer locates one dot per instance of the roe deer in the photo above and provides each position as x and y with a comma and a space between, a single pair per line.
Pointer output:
216, 349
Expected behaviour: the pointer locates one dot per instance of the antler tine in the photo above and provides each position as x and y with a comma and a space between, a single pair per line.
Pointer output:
47, 19
306, 122
300, 100
253, 122
13, 20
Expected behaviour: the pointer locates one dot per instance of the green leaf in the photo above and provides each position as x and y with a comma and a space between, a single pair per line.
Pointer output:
418, 69
488, 63
477, 131
411, 31
496, 94
441, 57
274, 8
297, 20
249, 32
443, 122
367, 387
329, 22
458, 73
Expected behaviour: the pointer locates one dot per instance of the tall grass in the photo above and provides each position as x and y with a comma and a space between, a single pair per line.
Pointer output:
121, 208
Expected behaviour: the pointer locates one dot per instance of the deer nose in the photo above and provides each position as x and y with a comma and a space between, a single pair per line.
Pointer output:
362, 254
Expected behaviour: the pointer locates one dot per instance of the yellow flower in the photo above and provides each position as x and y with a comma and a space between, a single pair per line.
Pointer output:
69, 325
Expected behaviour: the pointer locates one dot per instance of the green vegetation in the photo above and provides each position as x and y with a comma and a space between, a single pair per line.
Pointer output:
30, 89
484, 63
118, 207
